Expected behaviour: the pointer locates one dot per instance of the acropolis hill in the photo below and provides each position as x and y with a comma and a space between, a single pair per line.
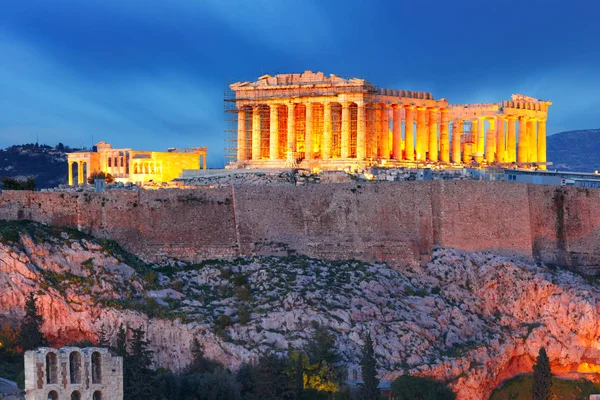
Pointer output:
397, 222
328, 122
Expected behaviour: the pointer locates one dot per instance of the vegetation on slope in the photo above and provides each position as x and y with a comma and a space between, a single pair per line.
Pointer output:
520, 387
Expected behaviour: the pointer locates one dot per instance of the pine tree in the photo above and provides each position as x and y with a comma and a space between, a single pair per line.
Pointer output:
30, 335
137, 374
370, 387
121, 345
542, 377
102, 339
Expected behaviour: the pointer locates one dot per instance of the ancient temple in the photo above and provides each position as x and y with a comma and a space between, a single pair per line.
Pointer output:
328, 122
136, 166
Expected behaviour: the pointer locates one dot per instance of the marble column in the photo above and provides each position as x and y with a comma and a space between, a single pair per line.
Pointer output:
474, 135
523, 155
421, 133
274, 132
500, 140
327, 131
256, 133
291, 127
241, 138
480, 141
70, 164
532, 135
490, 146
511, 140
433, 133
397, 132
457, 128
345, 148
444, 139
308, 139
361, 131
409, 133
541, 144
80, 172
384, 133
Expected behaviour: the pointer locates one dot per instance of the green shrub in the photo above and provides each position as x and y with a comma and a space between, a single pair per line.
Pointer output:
519, 388
408, 387
243, 316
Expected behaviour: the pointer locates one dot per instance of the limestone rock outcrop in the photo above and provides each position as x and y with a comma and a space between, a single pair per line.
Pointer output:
472, 319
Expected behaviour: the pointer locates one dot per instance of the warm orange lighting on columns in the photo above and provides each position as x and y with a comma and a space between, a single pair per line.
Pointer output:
479, 152
397, 132
421, 133
274, 133
345, 152
467, 152
382, 131
433, 133
511, 140
409, 133
291, 127
241, 138
444, 140
256, 133
541, 144
308, 139
532, 143
500, 140
80, 173
523, 141
457, 128
385, 132
70, 164
361, 131
490, 146
327, 134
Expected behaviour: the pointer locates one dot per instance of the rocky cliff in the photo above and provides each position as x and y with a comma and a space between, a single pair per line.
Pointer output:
472, 319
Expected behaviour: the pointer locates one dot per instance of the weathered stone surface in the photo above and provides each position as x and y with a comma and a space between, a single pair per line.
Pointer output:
387, 221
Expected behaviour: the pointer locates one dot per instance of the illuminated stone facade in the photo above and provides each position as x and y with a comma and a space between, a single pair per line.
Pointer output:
127, 165
73, 373
323, 122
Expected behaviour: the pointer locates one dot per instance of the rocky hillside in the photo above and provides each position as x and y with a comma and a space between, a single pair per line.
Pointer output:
575, 150
48, 165
471, 319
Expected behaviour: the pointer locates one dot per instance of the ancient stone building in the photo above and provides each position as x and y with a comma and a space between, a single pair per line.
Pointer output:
330, 122
127, 165
72, 373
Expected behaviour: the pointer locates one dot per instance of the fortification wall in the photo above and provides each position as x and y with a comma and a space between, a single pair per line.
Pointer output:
387, 221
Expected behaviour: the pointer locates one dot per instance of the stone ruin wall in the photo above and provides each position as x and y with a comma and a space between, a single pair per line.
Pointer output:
387, 221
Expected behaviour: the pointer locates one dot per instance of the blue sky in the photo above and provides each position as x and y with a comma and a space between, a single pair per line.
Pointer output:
152, 74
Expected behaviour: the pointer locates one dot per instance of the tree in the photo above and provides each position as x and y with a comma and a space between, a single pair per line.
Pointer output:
408, 387
267, 379
30, 335
200, 364
542, 377
108, 178
321, 347
102, 339
121, 345
137, 376
16, 184
370, 387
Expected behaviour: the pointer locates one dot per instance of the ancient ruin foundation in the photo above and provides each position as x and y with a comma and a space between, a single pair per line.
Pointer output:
316, 121
73, 373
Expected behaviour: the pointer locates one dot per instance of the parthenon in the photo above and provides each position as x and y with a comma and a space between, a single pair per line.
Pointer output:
315, 121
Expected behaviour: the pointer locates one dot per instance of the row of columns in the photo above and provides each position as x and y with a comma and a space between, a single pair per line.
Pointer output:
118, 164
500, 143
147, 168
80, 177
432, 140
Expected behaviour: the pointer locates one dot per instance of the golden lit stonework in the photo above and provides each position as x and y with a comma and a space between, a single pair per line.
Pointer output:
328, 122
135, 166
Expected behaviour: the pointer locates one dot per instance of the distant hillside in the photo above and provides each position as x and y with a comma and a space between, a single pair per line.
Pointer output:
575, 150
48, 165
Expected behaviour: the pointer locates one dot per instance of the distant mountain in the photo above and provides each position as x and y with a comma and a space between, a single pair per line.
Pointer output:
575, 150
48, 165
